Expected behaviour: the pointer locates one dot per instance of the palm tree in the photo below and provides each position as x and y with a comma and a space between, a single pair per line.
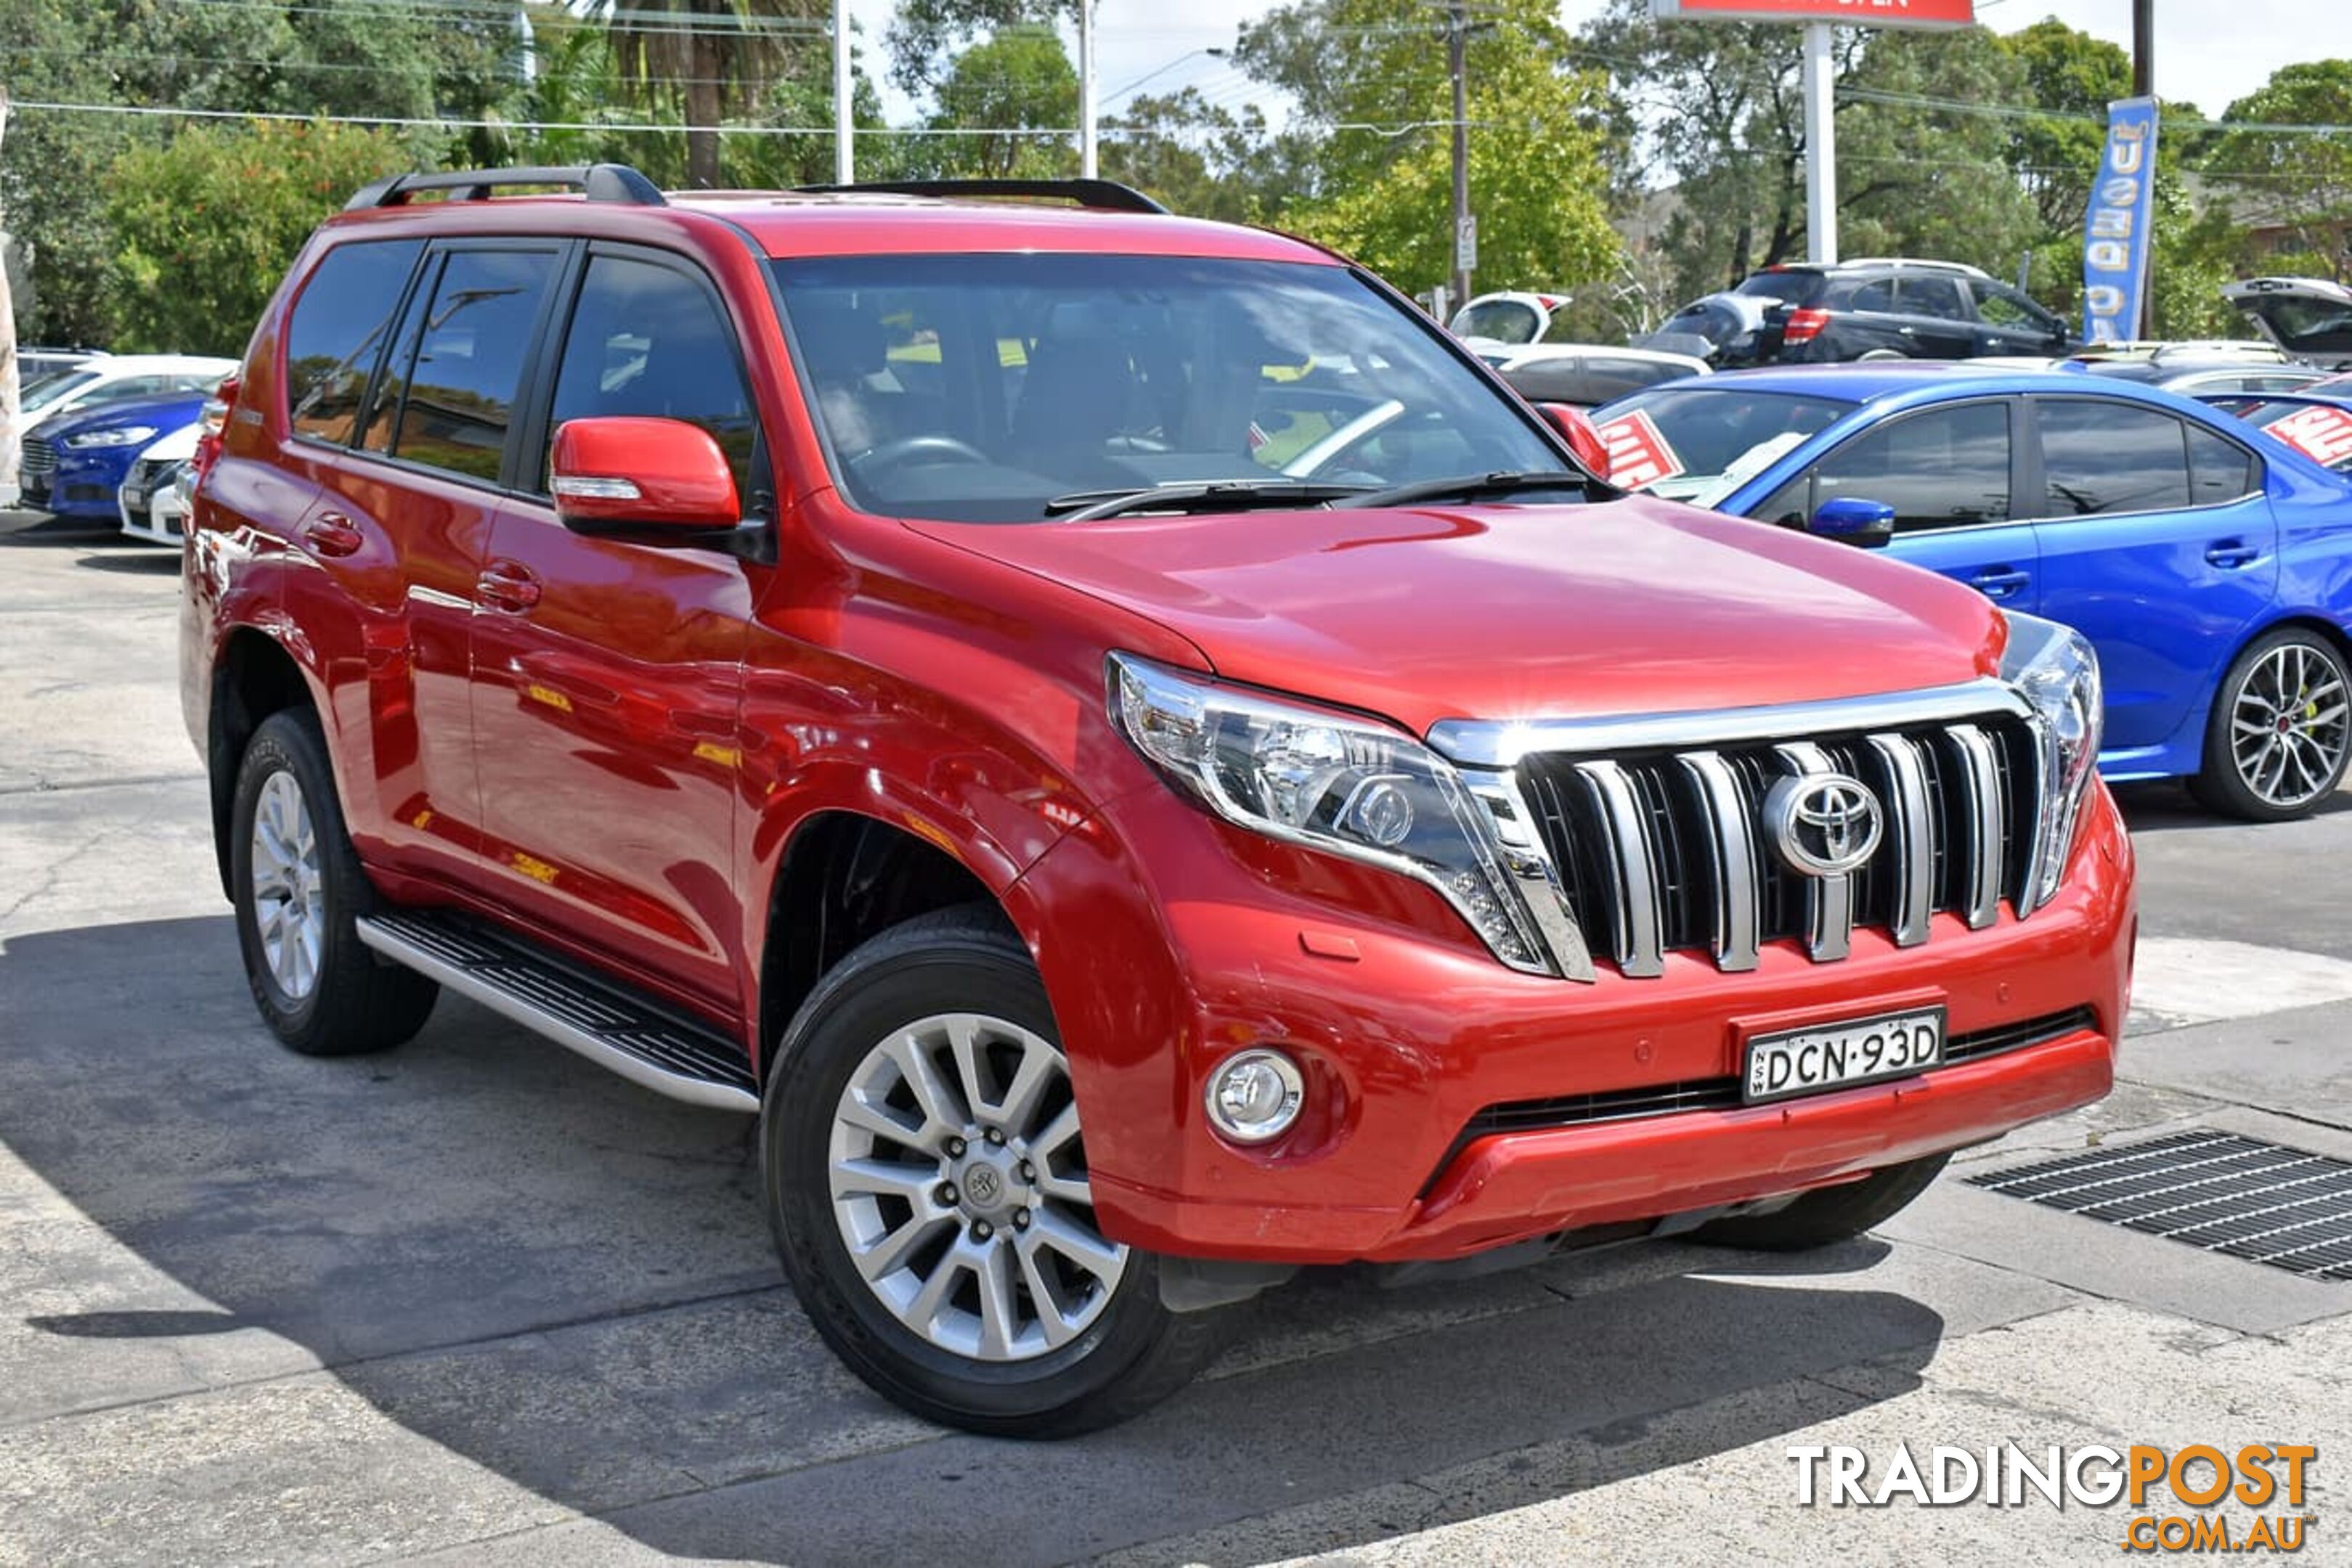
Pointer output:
713, 56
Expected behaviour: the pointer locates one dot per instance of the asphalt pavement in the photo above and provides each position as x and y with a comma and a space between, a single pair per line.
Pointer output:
477, 1302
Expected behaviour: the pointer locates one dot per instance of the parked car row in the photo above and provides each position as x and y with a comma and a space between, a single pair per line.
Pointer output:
90, 423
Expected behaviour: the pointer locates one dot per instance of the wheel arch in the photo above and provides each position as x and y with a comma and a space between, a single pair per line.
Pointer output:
254, 676
845, 876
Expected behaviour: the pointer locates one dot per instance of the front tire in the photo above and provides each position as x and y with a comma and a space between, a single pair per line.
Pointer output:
299, 891
2281, 730
928, 1186
1830, 1214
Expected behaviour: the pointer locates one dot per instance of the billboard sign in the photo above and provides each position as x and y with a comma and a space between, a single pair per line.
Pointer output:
2117, 229
1844, 12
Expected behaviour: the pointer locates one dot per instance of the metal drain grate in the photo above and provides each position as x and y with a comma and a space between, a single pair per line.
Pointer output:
2263, 1202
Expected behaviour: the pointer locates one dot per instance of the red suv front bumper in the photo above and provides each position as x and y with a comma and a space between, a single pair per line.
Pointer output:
1408, 1031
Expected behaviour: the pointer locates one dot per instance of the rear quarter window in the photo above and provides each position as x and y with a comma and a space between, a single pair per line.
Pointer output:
336, 333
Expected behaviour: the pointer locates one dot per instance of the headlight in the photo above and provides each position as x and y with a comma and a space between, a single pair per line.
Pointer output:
2056, 670
129, 435
1329, 781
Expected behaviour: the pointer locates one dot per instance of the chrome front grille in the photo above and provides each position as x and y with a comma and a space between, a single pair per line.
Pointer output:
1640, 838
39, 456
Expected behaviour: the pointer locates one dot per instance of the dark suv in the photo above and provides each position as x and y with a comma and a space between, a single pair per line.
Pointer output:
1875, 308
1138, 758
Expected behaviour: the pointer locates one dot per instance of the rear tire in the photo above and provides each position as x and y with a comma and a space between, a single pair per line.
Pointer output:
299, 891
1831, 1215
2281, 731
927, 1183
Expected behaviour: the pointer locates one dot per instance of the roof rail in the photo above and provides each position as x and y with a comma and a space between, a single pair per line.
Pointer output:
1107, 196
1923, 263
597, 181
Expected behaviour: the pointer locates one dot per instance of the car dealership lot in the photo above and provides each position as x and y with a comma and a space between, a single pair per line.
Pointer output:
479, 1299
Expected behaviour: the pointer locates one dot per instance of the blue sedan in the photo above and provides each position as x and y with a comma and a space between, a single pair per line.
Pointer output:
73, 465
2210, 566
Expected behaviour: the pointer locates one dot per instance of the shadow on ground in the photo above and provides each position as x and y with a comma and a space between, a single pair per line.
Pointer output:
553, 1275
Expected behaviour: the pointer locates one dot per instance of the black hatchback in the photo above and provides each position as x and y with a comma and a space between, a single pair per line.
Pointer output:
1896, 308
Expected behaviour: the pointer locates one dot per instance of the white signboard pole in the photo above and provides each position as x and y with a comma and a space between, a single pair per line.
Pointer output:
1820, 145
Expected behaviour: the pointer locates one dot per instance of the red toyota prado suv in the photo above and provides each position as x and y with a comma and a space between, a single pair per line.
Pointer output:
1136, 756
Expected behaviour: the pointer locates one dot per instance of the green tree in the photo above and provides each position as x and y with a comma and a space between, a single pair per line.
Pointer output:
928, 37
2299, 182
1194, 156
1370, 171
1018, 80
1915, 180
206, 224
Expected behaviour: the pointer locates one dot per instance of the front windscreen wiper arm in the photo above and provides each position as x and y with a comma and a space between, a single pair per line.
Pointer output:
1204, 496
1475, 486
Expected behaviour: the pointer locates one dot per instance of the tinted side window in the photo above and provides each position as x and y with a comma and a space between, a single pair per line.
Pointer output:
1876, 294
2111, 458
1942, 468
2002, 306
1929, 296
2219, 470
469, 358
648, 341
336, 334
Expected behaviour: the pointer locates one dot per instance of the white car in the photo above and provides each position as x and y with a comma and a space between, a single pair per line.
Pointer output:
2310, 318
1505, 318
154, 498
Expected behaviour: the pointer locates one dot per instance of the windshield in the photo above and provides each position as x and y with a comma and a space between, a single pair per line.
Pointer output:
1698, 445
987, 388
51, 387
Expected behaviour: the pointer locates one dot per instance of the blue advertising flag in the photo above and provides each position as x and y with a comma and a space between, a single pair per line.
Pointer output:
2122, 218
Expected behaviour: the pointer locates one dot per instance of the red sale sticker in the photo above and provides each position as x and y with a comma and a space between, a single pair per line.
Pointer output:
2319, 432
1638, 452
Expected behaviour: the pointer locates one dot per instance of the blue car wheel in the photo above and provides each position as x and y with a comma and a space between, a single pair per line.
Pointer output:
2281, 730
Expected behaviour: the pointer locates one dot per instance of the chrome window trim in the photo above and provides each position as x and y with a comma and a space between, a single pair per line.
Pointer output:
1503, 744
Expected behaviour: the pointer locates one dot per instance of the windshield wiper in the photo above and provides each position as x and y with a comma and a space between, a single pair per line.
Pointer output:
1204, 496
1471, 486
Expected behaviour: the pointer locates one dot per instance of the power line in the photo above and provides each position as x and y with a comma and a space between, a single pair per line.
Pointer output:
2020, 111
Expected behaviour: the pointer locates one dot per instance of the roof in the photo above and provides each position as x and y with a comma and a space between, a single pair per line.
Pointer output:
1867, 382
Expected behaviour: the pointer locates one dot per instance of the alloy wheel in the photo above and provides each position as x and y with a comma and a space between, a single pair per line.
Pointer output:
958, 1183
2289, 727
289, 893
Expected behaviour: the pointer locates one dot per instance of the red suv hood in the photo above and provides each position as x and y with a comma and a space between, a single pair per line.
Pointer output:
1506, 613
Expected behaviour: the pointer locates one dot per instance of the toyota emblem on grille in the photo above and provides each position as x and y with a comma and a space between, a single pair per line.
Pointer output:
1824, 824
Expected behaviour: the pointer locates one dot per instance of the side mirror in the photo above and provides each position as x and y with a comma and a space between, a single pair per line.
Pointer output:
1869, 524
1583, 439
654, 474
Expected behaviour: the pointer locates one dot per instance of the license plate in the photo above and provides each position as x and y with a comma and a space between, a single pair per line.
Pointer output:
1839, 1055
135, 499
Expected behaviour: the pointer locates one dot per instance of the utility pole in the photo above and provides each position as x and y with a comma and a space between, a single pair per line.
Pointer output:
1465, 231
2143, 47
844, 151
1087, 161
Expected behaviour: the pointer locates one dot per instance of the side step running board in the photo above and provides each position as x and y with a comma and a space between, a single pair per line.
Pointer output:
644, 1043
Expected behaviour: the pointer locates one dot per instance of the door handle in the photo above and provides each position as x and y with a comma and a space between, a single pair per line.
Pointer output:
1999, 582
507, 586
2230, 554
332, 533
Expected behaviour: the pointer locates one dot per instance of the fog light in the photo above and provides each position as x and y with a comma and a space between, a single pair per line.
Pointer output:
1254, 1095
